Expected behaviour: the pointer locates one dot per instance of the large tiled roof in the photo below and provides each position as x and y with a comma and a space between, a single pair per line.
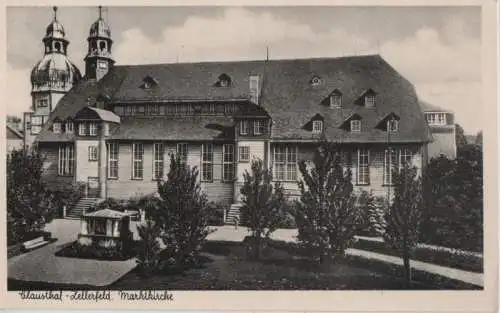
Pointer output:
287, 96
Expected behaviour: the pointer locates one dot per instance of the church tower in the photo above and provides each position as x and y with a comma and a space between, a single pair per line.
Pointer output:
99, 59
51, 78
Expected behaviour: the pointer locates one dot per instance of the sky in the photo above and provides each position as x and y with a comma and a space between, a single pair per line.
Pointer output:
438, 49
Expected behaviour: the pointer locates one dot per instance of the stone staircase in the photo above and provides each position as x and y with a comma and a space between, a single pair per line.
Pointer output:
234, 214
80, 207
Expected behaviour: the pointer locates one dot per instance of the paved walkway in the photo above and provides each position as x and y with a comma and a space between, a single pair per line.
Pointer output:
468, 277
43, 265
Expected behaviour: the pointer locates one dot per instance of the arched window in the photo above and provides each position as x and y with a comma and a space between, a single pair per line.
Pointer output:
57, 46
102, 45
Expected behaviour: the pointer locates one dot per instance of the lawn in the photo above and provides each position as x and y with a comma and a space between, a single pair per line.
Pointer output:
224, 266
453, 259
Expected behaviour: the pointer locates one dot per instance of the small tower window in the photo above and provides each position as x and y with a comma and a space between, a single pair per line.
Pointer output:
317, 127
57, 46
355, 126
392, 126
102, 45
93, 129
56, 127
69, 127
102, 64
81, 129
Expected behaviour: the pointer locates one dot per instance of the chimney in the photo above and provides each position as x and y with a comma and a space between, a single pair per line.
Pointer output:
254, 88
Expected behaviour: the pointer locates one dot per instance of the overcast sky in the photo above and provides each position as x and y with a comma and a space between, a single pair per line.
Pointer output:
438, 49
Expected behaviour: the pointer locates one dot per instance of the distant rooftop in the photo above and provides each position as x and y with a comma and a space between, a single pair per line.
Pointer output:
428, 107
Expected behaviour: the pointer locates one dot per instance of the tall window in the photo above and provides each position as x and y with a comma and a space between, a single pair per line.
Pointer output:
36, 124
81, 129
66, 162
244, 127
405, 156
137, 161
363, 171
113, 160
258, 127
285, 163
228, 162
158, 153
93, 129
69, 127
154, 109
355, 126
93, 153
390, 165
182, 152
207, 162
317, 127
244, 154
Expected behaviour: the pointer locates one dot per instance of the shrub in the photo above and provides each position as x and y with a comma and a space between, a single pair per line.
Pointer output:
375, 207
453, 194
148, 248
111, 204
67, 196
327, 216
217, 219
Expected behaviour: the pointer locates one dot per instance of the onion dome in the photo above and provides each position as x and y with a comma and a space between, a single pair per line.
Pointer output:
100, 28
55, 30
54, 70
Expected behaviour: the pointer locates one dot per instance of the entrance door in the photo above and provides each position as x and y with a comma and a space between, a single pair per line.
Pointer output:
93, 190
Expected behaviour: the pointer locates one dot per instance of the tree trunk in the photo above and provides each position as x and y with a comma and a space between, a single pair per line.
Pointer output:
407, 268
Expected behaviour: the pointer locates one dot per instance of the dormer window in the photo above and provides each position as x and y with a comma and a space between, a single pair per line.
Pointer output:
336, 99
258, 127
370, 101
355, 126
69, 127
148, 82
56, 127
317, 127
223, 81
315, 81
392, 126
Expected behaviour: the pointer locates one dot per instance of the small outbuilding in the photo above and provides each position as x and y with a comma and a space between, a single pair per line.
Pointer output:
106, 228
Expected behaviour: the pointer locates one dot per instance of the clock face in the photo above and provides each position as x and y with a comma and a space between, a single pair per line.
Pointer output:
102, 64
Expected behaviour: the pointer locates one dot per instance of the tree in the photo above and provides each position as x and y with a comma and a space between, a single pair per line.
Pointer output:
403, 216
460, 138
30, 203
263, 203
182, 213
479, 138
327, 216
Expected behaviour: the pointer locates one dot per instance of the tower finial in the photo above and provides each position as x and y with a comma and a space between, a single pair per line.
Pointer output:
100, 11
55, 13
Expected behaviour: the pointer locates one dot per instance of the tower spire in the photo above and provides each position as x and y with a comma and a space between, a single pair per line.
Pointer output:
100, 11
55, 13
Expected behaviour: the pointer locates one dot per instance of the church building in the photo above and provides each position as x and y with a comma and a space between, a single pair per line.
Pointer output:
114, 128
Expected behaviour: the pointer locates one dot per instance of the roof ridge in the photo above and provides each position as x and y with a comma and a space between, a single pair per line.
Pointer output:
254, 61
